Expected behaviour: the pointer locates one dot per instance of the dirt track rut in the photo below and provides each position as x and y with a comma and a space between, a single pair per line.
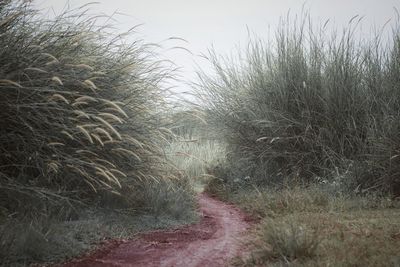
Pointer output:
212, 242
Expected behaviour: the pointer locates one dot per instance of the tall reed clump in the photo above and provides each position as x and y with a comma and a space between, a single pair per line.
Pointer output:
309, 105
81, 112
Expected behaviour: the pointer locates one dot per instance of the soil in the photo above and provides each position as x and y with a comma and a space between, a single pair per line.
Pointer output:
214, 241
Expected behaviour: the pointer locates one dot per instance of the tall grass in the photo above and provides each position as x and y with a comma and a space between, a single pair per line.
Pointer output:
193, 158
82, 132
308, 105
81, 118
195, 149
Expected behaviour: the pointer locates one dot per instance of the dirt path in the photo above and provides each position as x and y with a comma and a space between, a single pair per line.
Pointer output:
212, 242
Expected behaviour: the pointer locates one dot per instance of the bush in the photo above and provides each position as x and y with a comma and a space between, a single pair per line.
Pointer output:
309, 104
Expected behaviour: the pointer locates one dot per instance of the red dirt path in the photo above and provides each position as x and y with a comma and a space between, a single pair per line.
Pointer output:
212, 242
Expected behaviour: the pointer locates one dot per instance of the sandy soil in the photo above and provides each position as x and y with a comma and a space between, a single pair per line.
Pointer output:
212, 242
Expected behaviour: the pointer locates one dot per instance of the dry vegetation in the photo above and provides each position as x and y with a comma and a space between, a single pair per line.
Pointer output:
310, 106
195, 148
302, 133
310, 227
82, 134
310, 122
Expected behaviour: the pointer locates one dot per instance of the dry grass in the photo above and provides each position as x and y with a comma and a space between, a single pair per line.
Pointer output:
308, 227
309, 104
194, 150
73, 126
311, 126
193, 157
287, 241
82, 126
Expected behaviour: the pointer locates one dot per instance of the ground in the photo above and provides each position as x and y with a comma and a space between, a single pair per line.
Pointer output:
214, 241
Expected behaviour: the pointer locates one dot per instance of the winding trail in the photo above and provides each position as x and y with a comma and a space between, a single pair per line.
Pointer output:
212, 242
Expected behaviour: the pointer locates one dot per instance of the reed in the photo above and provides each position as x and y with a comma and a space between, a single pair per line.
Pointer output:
72, 127
310, 104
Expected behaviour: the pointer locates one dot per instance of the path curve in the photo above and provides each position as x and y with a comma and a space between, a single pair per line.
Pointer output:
212, 242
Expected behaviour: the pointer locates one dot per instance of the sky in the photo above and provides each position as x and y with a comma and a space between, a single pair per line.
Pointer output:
222, 24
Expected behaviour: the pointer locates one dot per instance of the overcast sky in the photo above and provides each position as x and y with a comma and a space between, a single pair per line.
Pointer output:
223, 23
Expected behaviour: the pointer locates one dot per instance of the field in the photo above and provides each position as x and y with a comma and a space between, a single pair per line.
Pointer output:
309, 227
301, 132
